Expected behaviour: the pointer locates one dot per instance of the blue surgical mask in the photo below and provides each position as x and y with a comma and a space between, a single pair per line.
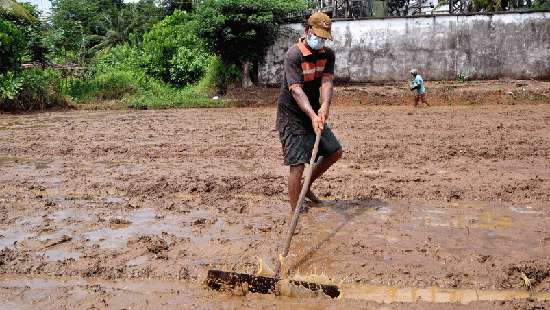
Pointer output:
315, 42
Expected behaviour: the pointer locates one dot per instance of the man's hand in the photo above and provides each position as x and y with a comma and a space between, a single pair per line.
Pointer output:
317, 124
323, 112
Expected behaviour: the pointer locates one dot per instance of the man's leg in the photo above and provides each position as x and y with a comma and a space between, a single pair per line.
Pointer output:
295, 184
295, 178
331, 151
416, 99
328, 145
324, 164
424, 99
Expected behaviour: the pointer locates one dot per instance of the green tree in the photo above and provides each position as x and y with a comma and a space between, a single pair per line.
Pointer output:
240, 31
174, 52
73, 20
83, 27
541, 5
169, 6
115, 30
11, 46
485, 5
33, 31
144, 14
127, 24
70, 21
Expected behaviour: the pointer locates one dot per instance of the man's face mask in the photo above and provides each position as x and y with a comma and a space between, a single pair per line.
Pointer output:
315, 42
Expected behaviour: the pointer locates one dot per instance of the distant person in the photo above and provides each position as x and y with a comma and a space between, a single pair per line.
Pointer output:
307, 80
418, 84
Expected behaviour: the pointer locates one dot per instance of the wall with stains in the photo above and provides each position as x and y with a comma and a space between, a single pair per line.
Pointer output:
511, 45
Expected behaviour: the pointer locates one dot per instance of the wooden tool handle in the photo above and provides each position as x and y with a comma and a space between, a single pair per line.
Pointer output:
303, 193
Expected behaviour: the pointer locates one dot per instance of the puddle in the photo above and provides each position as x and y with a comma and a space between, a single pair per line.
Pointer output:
380, 294
11, 236
30, 162
526, 210
39, 165
386, 295
140, 260
145, 222
64, 231
113, 200
5, 160
20, 231
389, 239
383, 209
55, 255
43, 282
487, 220
62, 215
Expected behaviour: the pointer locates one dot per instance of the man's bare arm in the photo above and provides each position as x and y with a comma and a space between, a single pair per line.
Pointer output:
326, 96
326, 89
303, 102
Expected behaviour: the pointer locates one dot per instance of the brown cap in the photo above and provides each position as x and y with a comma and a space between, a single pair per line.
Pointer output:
321, 23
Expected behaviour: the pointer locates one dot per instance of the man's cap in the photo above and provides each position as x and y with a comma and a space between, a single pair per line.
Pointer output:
321, 24
414, 71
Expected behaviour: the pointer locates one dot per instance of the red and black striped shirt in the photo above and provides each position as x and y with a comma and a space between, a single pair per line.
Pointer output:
304, 68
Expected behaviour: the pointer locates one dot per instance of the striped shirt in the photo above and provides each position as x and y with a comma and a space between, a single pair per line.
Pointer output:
303, 68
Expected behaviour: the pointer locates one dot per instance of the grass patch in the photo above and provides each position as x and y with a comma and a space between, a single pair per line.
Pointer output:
172, 98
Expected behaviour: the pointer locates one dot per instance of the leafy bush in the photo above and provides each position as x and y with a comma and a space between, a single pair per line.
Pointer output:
541, 5
217, 76
119, 74
241, 30
462, 77
114, 84
112, 75
187, 65
33, 89
174, 52
121, 57
11, 46
9, 86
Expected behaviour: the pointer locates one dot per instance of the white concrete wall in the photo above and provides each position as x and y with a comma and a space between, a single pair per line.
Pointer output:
513, 45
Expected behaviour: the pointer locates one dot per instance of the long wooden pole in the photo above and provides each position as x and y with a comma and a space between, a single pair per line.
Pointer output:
298, 208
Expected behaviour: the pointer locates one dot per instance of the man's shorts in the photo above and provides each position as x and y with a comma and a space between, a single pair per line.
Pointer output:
297, 148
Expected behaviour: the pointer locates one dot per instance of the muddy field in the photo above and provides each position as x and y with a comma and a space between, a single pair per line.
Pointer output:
432, 208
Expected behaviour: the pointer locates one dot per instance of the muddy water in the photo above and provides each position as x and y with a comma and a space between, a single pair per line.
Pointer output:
383, 294
37, 286
168, 195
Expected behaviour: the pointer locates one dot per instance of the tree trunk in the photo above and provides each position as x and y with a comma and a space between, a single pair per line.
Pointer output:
247, 82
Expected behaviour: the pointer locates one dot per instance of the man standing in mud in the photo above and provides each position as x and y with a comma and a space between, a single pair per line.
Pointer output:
304, 103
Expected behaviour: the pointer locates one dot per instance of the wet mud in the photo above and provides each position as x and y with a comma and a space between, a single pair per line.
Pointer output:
433, 208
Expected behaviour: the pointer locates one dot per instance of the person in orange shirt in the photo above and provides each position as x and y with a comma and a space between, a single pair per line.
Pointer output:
304, 104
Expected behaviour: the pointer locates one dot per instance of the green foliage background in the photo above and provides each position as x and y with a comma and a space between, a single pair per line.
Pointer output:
174, 51
144, 54
11, 46
241, 30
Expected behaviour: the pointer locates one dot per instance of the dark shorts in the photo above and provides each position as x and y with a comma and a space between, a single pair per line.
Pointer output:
297, 148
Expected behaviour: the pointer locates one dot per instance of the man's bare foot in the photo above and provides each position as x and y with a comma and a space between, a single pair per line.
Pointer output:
311, 196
